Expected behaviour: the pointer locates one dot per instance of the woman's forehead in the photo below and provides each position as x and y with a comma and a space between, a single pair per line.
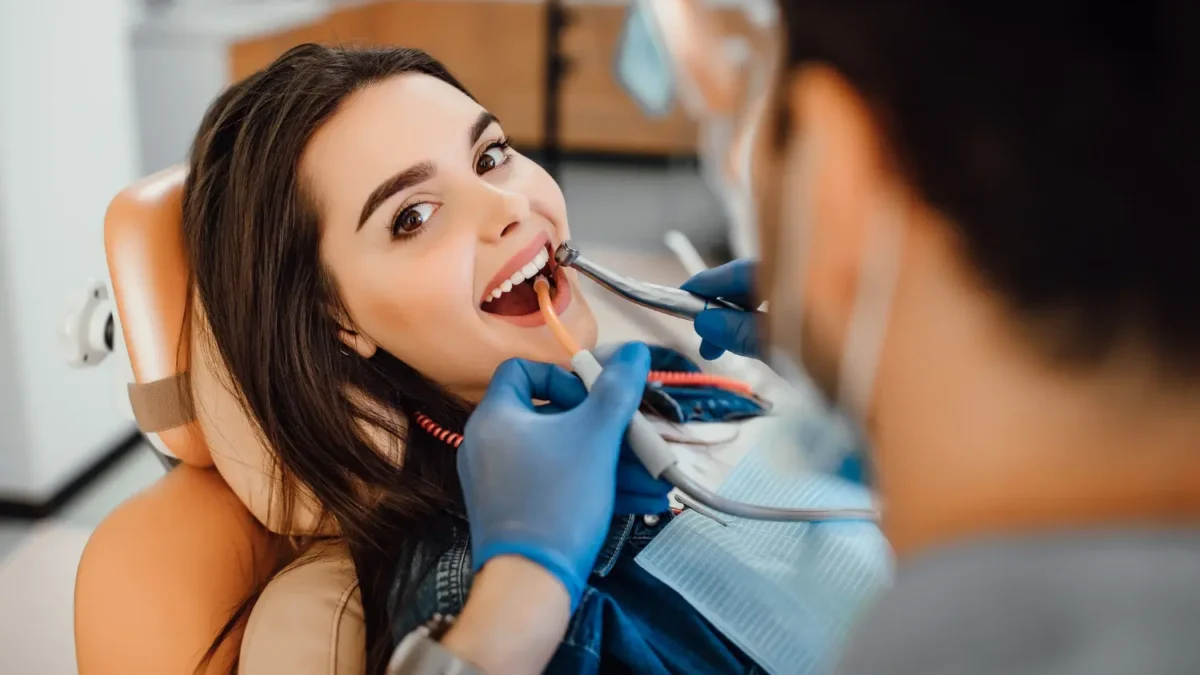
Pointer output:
385, 128
410, 113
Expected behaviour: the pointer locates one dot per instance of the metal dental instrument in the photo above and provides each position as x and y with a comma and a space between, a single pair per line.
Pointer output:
655, 454
671, 301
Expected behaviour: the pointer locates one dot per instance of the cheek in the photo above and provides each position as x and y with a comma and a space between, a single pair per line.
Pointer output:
545, 196
398, 297
840, 221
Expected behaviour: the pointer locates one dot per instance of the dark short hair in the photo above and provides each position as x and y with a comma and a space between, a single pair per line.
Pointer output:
1060, 137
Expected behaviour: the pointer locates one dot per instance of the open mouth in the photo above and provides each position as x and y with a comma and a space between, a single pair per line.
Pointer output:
514, 295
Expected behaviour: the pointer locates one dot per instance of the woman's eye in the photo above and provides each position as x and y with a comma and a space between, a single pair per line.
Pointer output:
411, 219
492, 158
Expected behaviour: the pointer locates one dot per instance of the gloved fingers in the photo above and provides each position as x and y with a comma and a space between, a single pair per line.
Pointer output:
637, 505
733, 281
550, 409
637, 491
634, 479
564, 394
618, 390
561, 388
518, 381
710, 351
729, 329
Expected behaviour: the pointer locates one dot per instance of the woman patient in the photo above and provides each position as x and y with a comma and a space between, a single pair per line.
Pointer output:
360, 233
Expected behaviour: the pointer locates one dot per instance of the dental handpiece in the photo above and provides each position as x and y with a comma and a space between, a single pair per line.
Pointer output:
658, 457
672, 301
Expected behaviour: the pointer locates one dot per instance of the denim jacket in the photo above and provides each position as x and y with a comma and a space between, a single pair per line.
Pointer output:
627, 621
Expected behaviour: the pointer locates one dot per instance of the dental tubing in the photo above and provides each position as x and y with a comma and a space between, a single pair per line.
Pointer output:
657, 455
658, 376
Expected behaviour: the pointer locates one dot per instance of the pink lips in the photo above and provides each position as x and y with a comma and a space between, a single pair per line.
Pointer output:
519, 260
562, 297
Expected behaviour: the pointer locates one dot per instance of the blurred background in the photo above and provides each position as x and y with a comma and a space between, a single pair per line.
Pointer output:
97, 93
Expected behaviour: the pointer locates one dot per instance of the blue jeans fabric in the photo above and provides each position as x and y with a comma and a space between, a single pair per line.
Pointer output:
626, 622
630, 622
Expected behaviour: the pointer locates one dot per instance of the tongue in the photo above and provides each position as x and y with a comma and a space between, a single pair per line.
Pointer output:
521, 300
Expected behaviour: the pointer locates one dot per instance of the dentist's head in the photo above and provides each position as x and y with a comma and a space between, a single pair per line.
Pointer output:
980, 235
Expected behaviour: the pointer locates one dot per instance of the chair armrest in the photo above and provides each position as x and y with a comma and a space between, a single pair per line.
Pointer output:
163, 573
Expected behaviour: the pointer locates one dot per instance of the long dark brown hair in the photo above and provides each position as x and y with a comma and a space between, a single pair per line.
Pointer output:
274, 314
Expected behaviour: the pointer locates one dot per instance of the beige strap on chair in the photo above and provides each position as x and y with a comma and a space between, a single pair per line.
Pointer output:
162, 404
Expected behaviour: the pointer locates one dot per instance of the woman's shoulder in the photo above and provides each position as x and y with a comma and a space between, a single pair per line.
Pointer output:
309, 619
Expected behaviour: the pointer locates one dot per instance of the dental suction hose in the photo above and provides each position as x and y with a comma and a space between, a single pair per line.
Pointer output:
672, 301
658, 457
680, 479
661, 462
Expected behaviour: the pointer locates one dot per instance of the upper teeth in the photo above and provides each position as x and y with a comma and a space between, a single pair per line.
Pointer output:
531, 268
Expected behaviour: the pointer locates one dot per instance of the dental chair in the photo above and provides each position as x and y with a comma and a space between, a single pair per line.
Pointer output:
164, 572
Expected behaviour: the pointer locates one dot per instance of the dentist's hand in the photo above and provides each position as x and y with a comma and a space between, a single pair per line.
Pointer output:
723, 329
542, 485
637, 493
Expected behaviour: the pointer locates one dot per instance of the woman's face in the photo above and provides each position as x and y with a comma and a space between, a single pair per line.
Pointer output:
427, 216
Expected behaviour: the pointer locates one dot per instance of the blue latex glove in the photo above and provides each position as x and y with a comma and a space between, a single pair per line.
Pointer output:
638, 493
542, 485
724, 329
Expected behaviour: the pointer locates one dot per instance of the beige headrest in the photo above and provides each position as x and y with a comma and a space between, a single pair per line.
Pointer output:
180, 391
236, 445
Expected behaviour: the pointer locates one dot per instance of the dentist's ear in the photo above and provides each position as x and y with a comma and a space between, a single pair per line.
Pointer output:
360, 343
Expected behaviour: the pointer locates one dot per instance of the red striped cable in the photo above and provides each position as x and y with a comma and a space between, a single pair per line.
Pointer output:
660, 376
438, 431
700, 380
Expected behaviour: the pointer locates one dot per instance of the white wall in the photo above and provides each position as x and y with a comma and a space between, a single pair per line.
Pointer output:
177, 78
67, 145
14, 463
181, 51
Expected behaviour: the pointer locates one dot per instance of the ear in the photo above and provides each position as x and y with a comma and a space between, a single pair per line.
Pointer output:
847, 174
358, 342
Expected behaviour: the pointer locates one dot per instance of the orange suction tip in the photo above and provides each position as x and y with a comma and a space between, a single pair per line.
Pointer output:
542, 288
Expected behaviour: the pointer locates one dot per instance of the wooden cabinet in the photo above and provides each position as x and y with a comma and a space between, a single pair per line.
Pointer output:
497, 50
597, 114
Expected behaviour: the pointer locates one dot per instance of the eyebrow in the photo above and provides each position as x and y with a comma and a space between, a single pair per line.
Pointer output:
413, 175
485, 120
418, 173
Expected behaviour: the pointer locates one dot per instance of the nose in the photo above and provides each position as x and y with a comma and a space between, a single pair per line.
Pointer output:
506, 211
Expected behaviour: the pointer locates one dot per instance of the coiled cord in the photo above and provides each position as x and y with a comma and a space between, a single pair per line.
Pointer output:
658, 376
